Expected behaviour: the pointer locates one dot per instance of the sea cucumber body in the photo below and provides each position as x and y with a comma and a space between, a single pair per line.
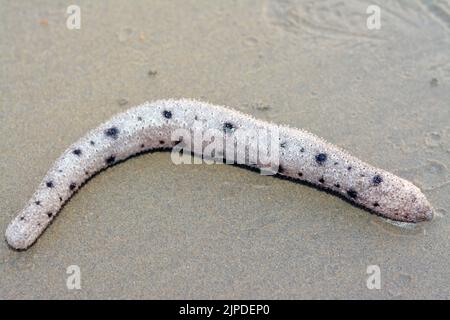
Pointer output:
303, 156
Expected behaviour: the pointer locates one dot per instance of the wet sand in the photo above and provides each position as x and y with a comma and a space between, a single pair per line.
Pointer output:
150, 229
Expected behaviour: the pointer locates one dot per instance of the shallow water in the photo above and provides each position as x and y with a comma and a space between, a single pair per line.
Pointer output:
150, 229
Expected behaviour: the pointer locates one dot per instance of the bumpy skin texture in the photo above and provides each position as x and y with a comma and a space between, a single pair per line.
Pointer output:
303, 156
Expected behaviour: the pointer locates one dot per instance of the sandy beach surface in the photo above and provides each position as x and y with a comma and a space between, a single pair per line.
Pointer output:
148, 228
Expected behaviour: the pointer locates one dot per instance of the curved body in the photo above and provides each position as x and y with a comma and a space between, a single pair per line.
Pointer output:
149, 126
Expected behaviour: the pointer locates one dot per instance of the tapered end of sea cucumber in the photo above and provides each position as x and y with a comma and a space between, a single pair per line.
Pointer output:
16, 237
428, 216
424, 210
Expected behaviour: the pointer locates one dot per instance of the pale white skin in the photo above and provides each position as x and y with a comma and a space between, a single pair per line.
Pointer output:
149, 126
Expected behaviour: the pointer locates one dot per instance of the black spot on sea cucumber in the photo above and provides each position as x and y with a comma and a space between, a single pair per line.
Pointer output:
86, 173
322, 180
142, 145
110, 160
377, 179
139, 118
336, 163
60, 199
300, 174
337, 185
321, 158
167, 114
161, 141
302, 149
49, 214
349, 168
37, 202
50, 184
112, 132
283, 145
72, 186
77, 152
376, 204
195, 118
92, 143
228, 127
22, 218
352, 193
59, 170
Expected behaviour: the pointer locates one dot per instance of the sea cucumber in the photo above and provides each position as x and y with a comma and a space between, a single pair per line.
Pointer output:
150, 126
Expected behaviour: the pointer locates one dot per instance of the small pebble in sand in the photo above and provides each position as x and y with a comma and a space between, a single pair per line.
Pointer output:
434, 82
122, 101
